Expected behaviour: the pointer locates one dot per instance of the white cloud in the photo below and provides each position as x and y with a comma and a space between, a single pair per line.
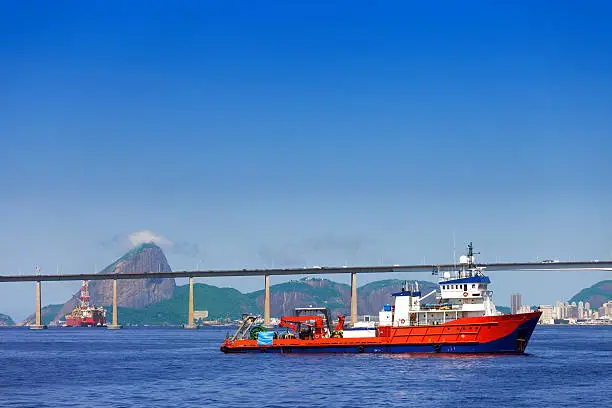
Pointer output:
126, 241
146, 236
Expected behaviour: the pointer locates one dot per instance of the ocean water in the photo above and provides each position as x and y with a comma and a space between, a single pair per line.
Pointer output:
169, 367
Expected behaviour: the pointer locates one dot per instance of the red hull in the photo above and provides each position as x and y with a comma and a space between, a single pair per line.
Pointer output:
487, 334
84, 322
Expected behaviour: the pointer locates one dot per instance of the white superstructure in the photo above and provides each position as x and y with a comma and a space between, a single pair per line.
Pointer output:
463, 293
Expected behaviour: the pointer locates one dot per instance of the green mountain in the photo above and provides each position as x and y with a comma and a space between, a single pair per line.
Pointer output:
596, 295
221, 303
286, 296
47, 315
228, 303
5, 320
503, 309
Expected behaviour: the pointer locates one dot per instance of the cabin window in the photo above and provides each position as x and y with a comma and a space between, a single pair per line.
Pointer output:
473, 285
465, 287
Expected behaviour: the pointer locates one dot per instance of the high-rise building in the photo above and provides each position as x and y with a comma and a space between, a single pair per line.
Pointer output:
558, 310
515, 303
607, 308
572, 311
547, 314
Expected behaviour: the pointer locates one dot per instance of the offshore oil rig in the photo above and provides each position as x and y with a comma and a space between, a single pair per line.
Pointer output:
84, 314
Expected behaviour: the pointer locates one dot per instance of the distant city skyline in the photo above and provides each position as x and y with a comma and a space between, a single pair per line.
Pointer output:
292, 135
574, 312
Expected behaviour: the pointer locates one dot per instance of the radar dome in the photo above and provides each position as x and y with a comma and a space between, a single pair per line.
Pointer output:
464, 260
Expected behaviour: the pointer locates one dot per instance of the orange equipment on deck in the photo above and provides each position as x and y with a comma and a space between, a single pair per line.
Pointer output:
294, 323
340, 324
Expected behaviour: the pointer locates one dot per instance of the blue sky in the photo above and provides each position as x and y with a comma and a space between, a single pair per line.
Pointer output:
268, 133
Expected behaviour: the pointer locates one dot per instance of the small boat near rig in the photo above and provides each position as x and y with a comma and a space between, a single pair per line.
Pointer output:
461, 318
85, 315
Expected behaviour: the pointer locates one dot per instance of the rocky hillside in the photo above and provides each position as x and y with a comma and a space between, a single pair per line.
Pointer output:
133, 293
596, 295
285, 297
373, 295
5, 320
224, 303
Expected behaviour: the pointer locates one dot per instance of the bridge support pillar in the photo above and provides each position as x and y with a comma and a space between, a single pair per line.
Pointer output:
115, 325
190, 324
38, 324
267, 301
353, 298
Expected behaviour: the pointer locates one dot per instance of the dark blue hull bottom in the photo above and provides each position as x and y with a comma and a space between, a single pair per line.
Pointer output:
514, 343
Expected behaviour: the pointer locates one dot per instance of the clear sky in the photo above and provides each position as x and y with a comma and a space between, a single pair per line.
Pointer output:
253, 134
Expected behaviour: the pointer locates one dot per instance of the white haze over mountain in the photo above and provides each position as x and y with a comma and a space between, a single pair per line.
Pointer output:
147, 236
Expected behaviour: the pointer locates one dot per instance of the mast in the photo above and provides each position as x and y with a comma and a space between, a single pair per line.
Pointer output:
470, 255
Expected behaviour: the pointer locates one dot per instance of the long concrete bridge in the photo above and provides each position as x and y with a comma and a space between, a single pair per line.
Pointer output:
315, 270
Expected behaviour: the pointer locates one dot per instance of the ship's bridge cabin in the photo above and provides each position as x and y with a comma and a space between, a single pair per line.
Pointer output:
469, 282
464, 288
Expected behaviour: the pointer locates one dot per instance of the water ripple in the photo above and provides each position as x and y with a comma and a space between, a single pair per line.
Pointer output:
171, 367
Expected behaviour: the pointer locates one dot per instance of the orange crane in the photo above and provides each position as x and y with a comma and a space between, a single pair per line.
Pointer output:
294, 323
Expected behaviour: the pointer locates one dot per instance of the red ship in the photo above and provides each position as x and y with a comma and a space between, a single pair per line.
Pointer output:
463, 319
85, 315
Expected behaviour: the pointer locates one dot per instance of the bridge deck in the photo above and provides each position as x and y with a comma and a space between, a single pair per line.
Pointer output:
493, 267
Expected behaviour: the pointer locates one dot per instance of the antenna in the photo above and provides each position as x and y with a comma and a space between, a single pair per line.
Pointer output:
454, 252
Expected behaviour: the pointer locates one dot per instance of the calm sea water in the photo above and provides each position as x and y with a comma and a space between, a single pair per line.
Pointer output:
171, 367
